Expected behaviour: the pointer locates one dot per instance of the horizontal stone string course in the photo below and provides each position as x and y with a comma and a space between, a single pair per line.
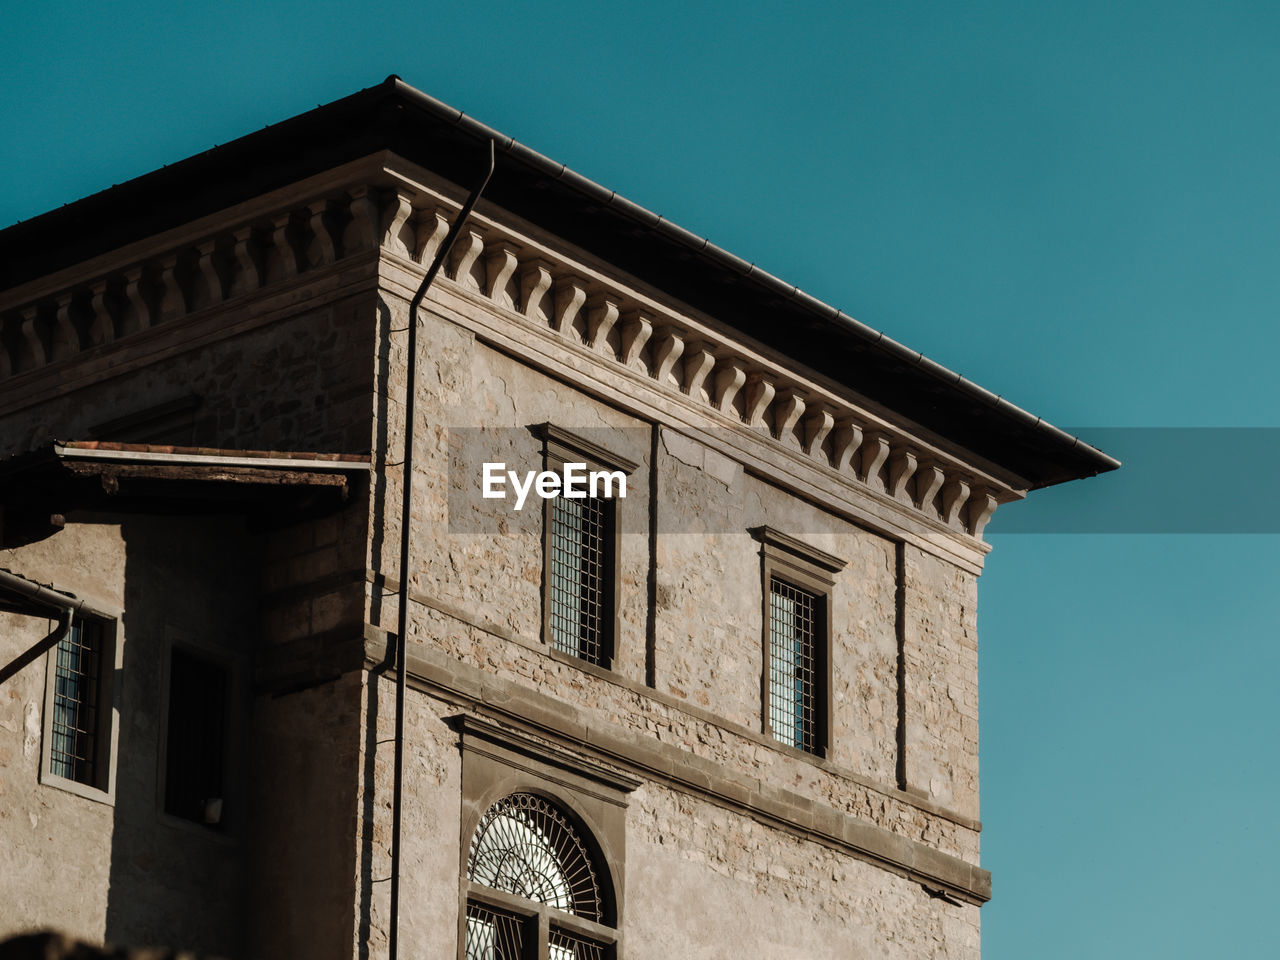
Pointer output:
526, 283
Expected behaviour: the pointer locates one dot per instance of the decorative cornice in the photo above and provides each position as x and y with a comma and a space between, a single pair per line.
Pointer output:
530, 282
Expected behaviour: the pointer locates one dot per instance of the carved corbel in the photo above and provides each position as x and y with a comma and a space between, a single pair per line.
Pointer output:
212, 281
602, 314
667, 349
635, 332
845, 443
535, 281
102, 328
954, 494
65, 342
31, 340
980, 508
361, 231
6, 362
729, 380
817, 426
286, 253
171, 303
465, 253
137, 314
698, 364
500, 263
570, 294
874, 452
396, 237
245, 277
929, 480
430, 228
789, 407
759, 394
321, 249
902, 467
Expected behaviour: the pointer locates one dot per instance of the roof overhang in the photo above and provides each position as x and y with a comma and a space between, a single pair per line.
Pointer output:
396, 117
39, 489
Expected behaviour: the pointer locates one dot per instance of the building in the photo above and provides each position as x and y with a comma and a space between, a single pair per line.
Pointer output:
733, 711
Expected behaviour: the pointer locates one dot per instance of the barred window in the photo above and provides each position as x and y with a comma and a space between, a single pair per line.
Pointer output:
580, 547
78, 727
794, 660
581, 583
532, 875
797, 583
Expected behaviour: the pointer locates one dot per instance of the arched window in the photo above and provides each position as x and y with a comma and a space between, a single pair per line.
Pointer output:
532, 879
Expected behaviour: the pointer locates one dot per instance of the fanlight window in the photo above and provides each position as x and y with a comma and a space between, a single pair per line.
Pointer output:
524, 847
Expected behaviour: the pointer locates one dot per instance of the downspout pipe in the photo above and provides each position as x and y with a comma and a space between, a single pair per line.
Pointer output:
66, 606
411, 362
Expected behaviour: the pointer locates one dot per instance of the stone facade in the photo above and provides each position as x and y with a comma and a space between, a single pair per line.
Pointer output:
285, 316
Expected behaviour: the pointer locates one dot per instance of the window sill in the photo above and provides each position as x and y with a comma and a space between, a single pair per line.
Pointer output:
96, 794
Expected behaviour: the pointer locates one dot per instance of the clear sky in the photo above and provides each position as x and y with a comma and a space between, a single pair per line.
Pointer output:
1074, 204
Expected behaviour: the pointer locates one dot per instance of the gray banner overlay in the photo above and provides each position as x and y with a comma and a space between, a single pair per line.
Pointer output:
1173, 480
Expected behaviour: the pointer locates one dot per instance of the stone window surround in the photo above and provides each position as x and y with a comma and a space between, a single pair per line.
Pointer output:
497, 762
109, 659
562, 446
814, 570
229, 829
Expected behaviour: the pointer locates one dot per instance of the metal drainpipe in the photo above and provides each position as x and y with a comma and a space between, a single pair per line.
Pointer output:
411, 363
66, 606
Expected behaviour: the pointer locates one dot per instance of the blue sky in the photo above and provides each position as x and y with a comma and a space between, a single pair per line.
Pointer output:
1074, 205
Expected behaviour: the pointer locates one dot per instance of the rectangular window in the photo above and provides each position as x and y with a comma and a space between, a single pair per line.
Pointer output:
795, 658
80, 697
581, 583
580, 546
797, 582
196, 741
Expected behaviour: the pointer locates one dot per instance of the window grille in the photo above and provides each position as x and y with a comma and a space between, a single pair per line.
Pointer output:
526, 847
77, 687
794, 664
195, 744
581, 577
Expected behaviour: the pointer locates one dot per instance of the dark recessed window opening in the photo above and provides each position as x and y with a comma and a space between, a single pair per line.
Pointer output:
77, 692
195, 752
795, 664
581, 577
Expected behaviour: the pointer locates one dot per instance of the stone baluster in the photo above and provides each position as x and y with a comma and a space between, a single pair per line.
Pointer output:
286, 253
874, 452
171, 304
466, 251
817, 427
430, 228
102, 328
210, 290
955, 492
902, 467
535, 284
636, 330
321, 249
730, 377
788, 406
929, 480
759, 394
980, 507
667, 348
397, 235
569, 294
845, 445
65, 342
245, 277
362, 230
500, 264
602, 314
137, 313
699, 361
33, 344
